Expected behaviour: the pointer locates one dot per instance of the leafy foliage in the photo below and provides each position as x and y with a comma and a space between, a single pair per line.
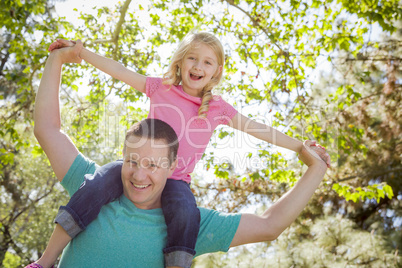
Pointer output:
273, 50
325, 242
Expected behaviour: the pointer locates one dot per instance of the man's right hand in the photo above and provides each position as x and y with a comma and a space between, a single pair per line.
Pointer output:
67, 51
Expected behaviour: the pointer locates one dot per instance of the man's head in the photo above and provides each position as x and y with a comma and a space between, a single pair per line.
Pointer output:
150, 152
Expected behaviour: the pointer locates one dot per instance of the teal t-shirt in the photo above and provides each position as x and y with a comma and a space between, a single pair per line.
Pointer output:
125, 236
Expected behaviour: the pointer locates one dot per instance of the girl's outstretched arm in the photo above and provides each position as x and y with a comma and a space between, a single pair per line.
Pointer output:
273, 136
109, 66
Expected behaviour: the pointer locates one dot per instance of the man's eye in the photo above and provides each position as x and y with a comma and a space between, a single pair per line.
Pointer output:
133, 163
153, 165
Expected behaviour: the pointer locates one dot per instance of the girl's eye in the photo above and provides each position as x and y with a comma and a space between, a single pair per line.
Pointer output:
209, 63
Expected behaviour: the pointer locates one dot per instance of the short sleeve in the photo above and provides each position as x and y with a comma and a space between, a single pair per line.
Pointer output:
226, 112
152, 84
75, 175
217, 230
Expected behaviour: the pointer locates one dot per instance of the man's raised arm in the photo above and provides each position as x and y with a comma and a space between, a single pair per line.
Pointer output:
58, 147
279, 216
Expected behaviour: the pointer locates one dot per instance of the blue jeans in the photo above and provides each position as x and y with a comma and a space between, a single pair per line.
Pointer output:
183, 223
178, 205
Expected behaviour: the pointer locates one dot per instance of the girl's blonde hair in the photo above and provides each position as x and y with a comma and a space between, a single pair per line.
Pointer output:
173, 76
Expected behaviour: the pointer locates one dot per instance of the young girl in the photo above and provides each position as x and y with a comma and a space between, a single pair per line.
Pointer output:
184, 100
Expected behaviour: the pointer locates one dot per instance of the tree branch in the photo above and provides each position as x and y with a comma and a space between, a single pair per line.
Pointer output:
369, 174
271, 38
255, 23
373, 59
33, 202
117, 30
7, 55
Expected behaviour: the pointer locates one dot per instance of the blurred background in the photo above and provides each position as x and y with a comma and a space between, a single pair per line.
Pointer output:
323, 70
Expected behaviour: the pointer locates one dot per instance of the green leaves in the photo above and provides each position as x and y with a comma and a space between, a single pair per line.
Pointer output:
313, 67
11, 260
375, 191
385, 13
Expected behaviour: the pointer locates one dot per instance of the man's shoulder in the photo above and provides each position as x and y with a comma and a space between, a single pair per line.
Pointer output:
217, 230
208, 215
75, 174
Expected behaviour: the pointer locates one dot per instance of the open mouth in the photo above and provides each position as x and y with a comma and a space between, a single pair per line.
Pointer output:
140, 186
195, 77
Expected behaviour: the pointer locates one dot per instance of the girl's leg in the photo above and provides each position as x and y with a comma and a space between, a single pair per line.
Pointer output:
97, 190
183, 223
58, 241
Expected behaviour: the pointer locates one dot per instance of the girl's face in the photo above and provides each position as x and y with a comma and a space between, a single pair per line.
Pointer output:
198, 67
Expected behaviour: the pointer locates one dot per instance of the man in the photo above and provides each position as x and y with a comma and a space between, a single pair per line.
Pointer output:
131, 231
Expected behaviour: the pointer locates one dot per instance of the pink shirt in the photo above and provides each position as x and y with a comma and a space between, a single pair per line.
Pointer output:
180, 111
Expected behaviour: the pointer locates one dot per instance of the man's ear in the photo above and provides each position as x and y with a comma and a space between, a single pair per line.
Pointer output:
172, 167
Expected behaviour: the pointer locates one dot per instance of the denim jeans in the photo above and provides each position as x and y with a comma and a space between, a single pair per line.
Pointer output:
97, 190
178, 205
183, 223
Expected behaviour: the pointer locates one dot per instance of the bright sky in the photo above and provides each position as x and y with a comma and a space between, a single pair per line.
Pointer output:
66, 8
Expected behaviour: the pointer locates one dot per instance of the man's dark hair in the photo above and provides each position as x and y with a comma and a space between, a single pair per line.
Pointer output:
158, 130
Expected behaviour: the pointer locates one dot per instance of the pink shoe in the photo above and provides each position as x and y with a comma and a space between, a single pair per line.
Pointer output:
34, 265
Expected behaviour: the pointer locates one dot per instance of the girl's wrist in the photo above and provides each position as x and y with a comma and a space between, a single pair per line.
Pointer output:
299, 147
81, 53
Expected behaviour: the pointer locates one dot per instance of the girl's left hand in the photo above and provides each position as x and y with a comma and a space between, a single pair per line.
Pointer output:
68, 54
320, 150
60, 43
